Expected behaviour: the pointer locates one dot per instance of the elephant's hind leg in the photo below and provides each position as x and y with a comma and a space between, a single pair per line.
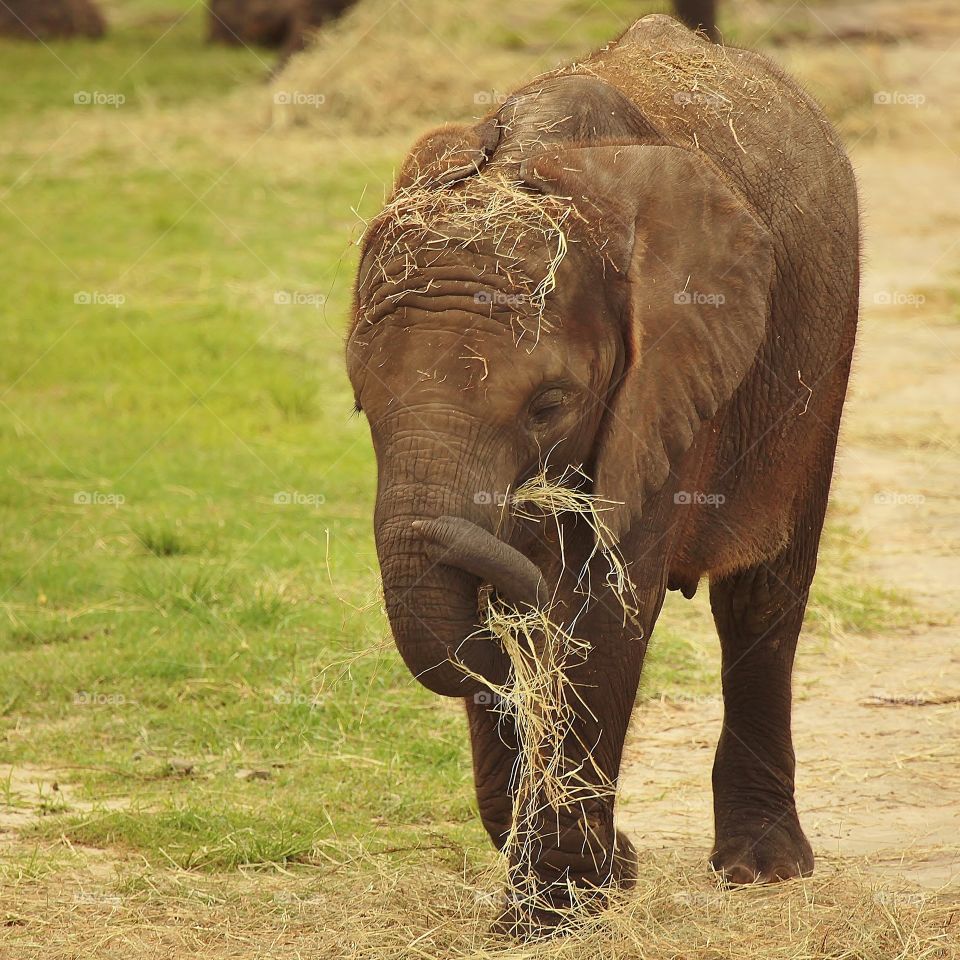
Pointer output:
758, 613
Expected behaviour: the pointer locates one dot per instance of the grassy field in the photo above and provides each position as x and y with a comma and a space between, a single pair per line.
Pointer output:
192, 637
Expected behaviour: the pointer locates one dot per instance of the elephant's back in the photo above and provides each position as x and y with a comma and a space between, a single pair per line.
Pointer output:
765, 135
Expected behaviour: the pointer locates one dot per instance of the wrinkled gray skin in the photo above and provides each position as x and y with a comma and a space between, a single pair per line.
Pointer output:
696, 363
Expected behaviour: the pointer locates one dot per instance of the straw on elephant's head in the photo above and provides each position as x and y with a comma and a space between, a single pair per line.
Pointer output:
521, 235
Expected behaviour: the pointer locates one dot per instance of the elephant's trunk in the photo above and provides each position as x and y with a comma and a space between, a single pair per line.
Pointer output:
433, 567
460, 543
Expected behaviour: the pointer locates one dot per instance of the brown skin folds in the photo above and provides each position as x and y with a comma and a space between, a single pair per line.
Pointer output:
694, 362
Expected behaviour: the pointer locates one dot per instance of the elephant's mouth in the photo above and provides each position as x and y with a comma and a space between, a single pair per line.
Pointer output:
436, 572
460, 543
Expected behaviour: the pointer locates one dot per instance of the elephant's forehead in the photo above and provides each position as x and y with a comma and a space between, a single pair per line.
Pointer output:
488, 377
462, 357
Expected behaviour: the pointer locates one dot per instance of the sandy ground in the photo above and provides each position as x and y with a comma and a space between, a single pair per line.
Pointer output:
877, 721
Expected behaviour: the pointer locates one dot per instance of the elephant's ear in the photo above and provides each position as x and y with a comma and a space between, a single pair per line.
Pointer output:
698, 267
448, 154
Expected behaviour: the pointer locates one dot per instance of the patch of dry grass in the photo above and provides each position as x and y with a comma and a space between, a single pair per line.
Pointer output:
371, 84
439, 905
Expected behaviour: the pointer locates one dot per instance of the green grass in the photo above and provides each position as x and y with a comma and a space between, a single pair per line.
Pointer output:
186, 565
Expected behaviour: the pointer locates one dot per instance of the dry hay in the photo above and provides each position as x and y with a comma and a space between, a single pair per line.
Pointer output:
450, 65
543, 705
50, 19
490, 213
437, 902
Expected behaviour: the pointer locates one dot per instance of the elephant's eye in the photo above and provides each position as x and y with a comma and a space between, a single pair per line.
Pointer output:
547, 402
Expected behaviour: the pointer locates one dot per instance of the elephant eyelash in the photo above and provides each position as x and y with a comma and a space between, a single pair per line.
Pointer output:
357, 409
548, 401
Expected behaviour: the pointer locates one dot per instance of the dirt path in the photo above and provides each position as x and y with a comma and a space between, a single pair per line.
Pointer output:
878, 758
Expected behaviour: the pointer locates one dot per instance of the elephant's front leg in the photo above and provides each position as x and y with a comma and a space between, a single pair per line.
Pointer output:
566, 852
493, 742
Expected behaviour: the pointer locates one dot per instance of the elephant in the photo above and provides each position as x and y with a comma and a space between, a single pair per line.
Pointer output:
264, 23
699, 15
282, 24
50, 19
688, 352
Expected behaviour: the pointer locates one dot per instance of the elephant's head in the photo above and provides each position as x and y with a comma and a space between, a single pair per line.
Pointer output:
488, 340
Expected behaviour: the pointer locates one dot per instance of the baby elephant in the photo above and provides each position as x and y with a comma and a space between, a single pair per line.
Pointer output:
642, 266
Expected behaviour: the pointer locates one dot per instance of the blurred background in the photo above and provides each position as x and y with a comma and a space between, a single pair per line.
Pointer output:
207, 739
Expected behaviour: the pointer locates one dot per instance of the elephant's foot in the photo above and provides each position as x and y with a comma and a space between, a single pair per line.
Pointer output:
761, 848
625, 863
527, 925
550, 912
